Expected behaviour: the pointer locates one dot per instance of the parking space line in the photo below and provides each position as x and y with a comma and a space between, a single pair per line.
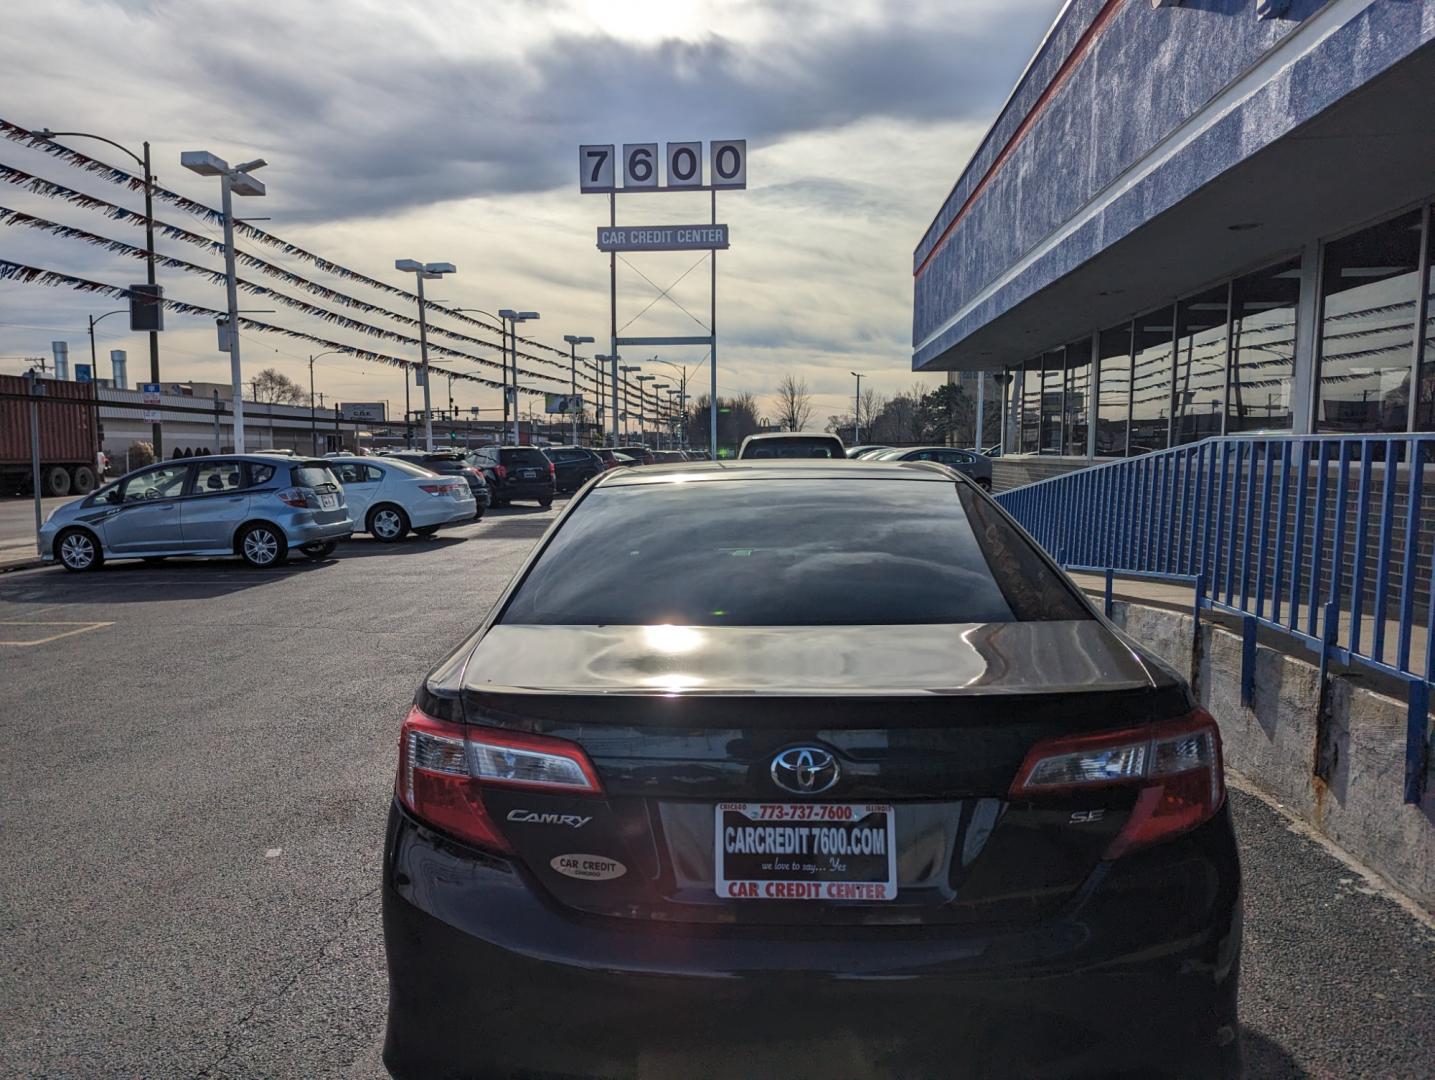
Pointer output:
76, 628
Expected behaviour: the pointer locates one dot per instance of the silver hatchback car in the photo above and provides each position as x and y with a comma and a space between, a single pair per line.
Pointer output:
257, 506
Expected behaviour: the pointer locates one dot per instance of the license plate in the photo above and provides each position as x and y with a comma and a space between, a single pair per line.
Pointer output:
805, 851
529, 474
328, 502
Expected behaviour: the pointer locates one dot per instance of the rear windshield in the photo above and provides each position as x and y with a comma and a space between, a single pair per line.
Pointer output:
523, 458
803, 552
312, 476
794, 448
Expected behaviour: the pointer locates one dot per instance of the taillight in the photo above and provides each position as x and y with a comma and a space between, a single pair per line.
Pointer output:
443, 768
501, 471
552, 469
437, 489
1176, 766
296, 497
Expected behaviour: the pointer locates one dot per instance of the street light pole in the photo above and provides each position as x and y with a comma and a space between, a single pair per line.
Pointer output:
573, 342
424, 272
157, 432
625, 369
313, 420
232, 181
857, 411
513, 318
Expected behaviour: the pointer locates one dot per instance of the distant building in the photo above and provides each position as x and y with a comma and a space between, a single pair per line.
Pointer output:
1192, 219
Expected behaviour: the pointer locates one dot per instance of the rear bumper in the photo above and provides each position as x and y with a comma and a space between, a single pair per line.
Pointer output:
527, 489
442, 512
300, 531
487, 979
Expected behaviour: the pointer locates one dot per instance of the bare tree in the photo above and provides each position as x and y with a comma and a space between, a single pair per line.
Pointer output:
792, 403
276, 388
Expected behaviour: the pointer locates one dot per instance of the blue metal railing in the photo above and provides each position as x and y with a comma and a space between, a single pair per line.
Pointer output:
1327, 539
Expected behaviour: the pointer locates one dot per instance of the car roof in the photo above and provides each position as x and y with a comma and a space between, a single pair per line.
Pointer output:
825, 436
778, 469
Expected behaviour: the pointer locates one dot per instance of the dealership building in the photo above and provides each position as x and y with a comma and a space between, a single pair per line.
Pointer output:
1195, 218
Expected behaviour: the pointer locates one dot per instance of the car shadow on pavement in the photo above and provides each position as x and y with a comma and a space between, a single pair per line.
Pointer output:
138, 582
1264, 1059
365, 547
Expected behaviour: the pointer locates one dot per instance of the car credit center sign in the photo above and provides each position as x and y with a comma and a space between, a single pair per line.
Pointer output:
662, 237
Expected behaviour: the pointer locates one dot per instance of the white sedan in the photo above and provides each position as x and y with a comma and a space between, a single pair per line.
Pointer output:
388, 497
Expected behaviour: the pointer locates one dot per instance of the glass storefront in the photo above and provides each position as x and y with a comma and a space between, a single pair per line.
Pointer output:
1368, 295
1113, 391
1223, 361
1200, 388
1151, 373
1053, 370
1263, 310
1078, 397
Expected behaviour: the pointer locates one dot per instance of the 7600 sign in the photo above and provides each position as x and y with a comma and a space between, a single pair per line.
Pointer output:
598, 166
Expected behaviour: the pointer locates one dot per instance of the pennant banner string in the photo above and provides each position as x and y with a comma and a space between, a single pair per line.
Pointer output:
13, 271
114, 175
49, 189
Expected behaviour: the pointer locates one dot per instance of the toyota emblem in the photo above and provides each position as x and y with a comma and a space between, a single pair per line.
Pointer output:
805, 770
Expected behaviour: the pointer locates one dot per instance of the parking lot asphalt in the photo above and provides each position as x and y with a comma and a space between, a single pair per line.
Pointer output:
198, 764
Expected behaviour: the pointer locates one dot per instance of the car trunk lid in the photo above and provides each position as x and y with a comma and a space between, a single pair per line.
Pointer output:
928, 725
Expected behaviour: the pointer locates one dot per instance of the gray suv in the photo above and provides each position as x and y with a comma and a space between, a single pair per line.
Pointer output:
257, 506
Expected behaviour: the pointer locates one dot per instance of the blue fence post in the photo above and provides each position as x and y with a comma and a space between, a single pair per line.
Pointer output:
1248, 659
1382, 558
1407, 575
1298, 540
1278, 573
1416, 743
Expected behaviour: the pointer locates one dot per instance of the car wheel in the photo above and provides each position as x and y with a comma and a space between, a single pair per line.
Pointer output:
984, 484
78, 551
426, 530
388, 524
263, 546
545, 503
320, 549
84, 480
55, 480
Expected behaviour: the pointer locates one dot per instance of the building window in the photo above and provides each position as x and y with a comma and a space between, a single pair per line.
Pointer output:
1078, 396
1368, 296
1151, 382
1113, 402
1031, 406
1200, 390
1263, 323
1053, 392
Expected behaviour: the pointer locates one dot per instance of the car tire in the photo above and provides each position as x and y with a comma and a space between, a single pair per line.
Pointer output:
83, 480
985, 484
55, 480
426, 530
388, 524
262, 545
545, 503
77, 550
320, 549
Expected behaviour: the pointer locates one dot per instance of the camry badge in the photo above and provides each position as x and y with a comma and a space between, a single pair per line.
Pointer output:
805, 770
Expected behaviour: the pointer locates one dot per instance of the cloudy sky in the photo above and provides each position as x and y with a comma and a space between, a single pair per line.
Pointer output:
447, 130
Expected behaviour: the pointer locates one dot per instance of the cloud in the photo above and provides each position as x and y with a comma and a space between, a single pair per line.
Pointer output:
449, 129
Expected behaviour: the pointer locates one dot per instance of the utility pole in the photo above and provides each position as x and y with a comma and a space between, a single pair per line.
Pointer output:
857, 411
232, 181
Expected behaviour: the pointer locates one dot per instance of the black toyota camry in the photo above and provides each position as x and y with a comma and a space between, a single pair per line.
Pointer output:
817, 769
